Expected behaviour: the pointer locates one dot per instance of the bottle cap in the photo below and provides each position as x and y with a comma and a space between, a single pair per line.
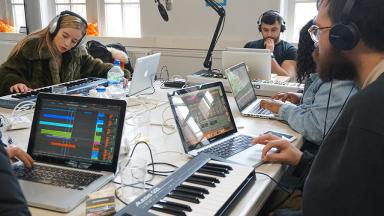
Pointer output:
100, 89
117, 62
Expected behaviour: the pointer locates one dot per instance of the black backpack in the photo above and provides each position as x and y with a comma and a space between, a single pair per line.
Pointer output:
99, 50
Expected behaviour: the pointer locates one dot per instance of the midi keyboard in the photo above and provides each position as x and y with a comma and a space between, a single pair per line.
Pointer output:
79, 86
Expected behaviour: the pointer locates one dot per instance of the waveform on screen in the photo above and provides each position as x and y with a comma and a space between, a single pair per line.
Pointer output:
56, 124
64, 145
54, 116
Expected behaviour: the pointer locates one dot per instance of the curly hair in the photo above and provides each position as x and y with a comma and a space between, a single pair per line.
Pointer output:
305, 63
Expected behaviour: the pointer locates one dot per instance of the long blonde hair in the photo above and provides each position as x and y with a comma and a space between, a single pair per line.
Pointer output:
45, 37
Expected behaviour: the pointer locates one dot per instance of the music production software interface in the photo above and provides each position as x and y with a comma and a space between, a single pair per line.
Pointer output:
202, 115
241, 87
71, 130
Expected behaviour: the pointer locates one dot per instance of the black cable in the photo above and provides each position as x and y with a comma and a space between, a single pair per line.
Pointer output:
162, 173
340, 111
283, 187
326, 112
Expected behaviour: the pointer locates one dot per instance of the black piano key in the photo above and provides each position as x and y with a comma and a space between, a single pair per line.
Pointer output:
185, 197
167, 210
200, 189
200, 182
222, 169
192, 193
206, 178
218, 165
211, 172
175, 205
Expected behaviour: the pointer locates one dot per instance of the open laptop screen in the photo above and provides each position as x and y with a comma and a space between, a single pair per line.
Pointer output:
241, 85
202, 114
79, 130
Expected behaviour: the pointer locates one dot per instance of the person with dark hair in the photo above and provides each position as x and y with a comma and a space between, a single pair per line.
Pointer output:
345, 176
313, 112
283, 54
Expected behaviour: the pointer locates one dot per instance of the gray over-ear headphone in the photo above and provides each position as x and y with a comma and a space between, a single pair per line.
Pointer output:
54, 25
345, 34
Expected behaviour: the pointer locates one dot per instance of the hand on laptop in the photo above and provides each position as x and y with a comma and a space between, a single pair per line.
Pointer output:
287, 153
288, 96
271, 105
17, 153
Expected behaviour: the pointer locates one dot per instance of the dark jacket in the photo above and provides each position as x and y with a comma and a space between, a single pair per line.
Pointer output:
12, 201
346, 178
38, 69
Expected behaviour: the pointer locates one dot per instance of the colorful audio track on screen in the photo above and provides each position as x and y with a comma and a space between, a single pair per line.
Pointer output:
80, 132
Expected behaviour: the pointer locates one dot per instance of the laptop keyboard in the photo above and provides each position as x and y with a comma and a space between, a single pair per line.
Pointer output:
259, 110
56, 176
230, 147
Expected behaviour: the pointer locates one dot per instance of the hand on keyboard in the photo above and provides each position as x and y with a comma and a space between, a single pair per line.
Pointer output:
271, 105
17, 153
289, 96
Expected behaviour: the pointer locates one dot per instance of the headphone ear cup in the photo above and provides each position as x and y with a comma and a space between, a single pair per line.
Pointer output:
282, 28
259, 27
344, 36
53, 25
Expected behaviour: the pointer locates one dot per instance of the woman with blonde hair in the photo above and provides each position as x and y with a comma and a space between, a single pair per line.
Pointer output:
51, 56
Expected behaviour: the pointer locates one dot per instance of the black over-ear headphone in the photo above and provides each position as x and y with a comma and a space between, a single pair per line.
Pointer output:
274, 13
54, 25
345, 34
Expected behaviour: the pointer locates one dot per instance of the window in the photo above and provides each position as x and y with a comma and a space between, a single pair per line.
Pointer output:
122, 18
13, 14
299, 12
304, 11
18, 14
77, 6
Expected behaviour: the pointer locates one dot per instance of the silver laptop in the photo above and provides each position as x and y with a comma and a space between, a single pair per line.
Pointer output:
205, 124
144, 73
75, 143
244, 93
258, 61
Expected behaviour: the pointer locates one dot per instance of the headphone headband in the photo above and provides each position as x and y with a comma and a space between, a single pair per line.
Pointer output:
54, 25
275, 13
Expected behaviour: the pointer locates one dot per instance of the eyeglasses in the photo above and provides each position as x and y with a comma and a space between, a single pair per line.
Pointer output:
314, 32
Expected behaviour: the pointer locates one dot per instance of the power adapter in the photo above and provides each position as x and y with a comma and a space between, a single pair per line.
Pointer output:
174, 84
18, 122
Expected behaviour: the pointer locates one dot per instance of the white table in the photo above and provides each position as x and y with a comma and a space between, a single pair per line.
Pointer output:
168, 148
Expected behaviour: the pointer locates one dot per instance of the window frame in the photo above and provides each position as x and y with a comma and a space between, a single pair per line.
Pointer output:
289, 9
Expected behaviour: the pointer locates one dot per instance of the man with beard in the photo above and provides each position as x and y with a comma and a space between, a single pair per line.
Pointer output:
345, 177
270, 25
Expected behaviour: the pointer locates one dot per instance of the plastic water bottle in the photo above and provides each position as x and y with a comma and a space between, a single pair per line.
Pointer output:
115, 81
101, 92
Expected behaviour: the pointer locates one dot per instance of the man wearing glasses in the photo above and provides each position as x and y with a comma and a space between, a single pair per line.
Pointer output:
271, 24
345, 177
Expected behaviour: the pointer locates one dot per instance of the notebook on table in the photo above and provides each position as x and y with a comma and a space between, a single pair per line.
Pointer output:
205, 124
75, 143
244, 93
144, 73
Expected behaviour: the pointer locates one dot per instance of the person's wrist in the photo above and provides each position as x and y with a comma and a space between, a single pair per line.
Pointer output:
297, 157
